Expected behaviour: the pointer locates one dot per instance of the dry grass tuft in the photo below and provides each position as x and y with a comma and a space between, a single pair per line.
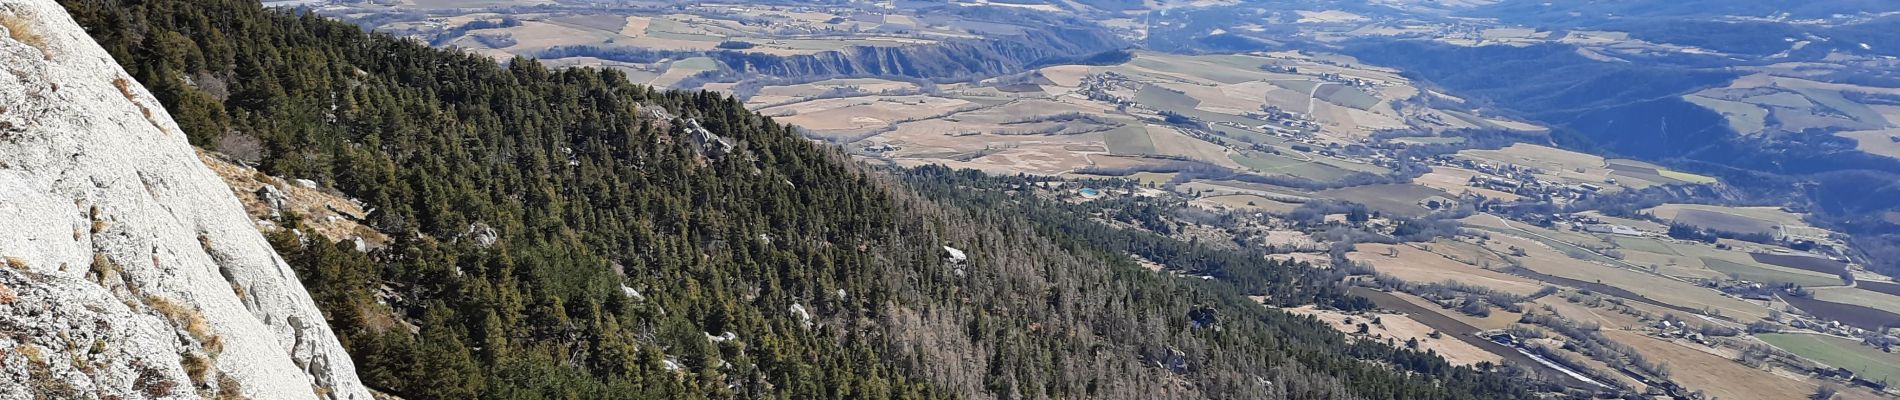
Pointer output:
197, 366
229, 388
103, 270
98, 220
153, 383
17, 263
20, 31
125, 88
7, 296
190, 319
33, 354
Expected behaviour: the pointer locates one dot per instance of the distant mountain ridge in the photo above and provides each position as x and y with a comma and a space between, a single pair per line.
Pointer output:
947, 60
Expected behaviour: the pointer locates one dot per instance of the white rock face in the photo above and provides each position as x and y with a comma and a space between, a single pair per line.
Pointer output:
130, 270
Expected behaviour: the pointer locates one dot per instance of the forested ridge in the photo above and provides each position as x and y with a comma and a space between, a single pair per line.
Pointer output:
559, 234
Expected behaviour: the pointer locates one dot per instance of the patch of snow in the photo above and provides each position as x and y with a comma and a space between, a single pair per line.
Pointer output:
953, 255
804, 317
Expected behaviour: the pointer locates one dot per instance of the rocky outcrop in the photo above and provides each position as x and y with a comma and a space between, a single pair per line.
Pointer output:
130, 271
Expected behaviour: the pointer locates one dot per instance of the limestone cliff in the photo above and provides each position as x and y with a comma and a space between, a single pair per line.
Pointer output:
130, 270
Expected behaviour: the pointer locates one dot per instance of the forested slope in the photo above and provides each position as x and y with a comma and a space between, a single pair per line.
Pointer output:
565, 234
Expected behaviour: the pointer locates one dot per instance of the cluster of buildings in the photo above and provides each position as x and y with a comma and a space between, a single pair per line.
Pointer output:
1346, 80
1522, 181
1289, 122
1101, 87
1675, 329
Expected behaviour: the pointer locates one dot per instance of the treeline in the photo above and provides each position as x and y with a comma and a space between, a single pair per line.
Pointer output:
449, 35
1708, 235
1074, 226
558, 234
1288, 283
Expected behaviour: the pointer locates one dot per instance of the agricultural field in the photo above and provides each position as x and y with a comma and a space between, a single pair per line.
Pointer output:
1762, 220
1454, 180
1129, 140
1454, 328
859, 116
1697, 366
1856, 315
1577, 267
1858, 296
1836, 352
1646, 245
1617, 277
1400, 328
1692, 260
1225, 89
1247, 202
1465, 252
1219, 188
1568, 167
1152, 178
1770, 103
1405, 200
680, 70
1770, 274
1722, 221
1653, 174
1170, 141
1581, 313
1291, 164
1415, 265
1718, 375
1815, 264
1558, 163
1744, 118
1877, 142
1879, 287
1499, 318
1232, 89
